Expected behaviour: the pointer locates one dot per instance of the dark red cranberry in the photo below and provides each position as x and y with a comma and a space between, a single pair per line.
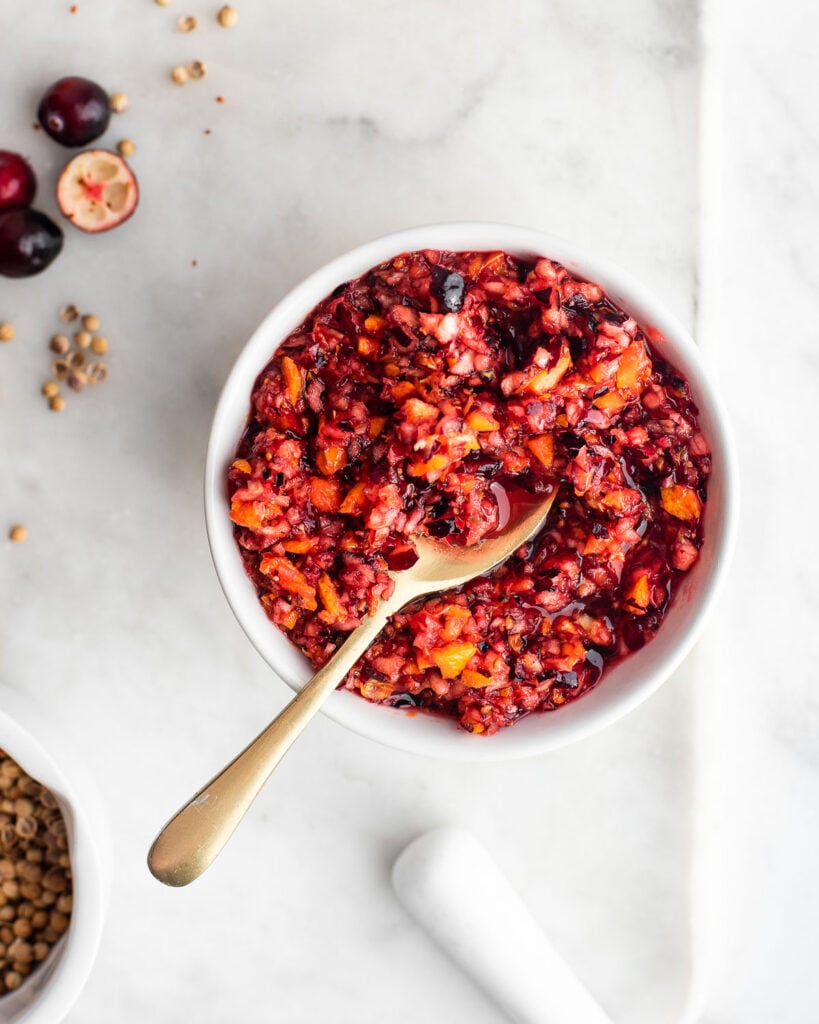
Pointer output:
448, 287
75, 111
29, 241
17, 181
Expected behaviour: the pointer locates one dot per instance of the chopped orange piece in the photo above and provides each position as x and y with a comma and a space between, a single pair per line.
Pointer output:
293, 378
299, 547
403, 389
610, 402
453, 658
331, 460
681, 502
639, 594
354, 502
434, 464
242, 465
374, 323
289, 578
596, 545
481, 421
547, 379
475, 680
330, 599
247, 513
325, 494
543, 448
633, 367
377, 424
366, 346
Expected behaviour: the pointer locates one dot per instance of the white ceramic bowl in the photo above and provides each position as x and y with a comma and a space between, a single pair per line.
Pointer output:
47, 995
625, 685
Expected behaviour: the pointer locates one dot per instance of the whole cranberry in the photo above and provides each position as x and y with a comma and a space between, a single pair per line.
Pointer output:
29, 241
17, 181
75, 111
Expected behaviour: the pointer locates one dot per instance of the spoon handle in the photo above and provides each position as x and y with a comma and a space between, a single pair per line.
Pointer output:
191, 840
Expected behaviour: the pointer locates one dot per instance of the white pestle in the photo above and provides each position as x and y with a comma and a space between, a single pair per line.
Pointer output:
452, 887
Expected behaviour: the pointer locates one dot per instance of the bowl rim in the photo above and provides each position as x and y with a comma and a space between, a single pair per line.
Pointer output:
389, 726
34, 750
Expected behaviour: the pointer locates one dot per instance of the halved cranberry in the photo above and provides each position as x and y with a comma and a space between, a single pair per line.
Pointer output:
74, 111
97, 191
17, 181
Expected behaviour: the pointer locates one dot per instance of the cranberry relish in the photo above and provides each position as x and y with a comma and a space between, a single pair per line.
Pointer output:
402, 405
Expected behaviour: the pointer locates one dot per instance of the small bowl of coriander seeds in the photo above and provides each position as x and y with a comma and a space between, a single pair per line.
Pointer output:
53, 890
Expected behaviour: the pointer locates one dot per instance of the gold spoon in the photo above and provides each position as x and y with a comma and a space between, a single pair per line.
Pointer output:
190, 841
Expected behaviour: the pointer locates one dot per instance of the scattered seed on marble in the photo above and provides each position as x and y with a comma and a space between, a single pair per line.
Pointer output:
82, 339
126, 147
97, 373
59, 344
179, 75
119, 102
186, 23
91, 322
60, 368
18, 534
77, 380
76, 360
197, 69
6, 332
99, 345
50, 388
227, 16
57, 403
68, 314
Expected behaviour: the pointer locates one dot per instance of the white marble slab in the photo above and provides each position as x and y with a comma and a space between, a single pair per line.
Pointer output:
340, 122
762, 815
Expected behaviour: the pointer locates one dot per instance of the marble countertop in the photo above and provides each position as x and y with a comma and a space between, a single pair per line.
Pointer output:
340, 123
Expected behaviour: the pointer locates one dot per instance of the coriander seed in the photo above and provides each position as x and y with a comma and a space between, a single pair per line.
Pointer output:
186, 23
50, 388
179, 75
18, 534
77, 380
227, 16
68, 314
198, 69
57, 403
59, 344
91, 322
99, 345
6, 332
126, 147
119, 102
83, 339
